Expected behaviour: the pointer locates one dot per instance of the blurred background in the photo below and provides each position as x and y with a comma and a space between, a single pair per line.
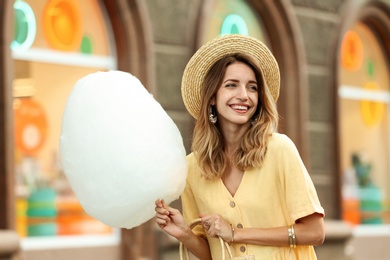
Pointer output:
334, 58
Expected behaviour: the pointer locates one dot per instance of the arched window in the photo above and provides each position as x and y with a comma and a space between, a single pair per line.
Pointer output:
230, 17
364, 126
56, 42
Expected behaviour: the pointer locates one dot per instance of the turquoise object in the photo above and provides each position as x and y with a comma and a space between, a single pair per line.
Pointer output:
371, 205
42, 212
43, 229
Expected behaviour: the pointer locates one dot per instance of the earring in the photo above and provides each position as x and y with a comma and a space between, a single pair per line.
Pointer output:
213, 118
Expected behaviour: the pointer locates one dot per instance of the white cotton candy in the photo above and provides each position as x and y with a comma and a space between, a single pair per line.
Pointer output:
120, 150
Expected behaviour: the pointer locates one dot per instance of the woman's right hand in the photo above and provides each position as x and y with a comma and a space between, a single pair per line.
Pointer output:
170, 220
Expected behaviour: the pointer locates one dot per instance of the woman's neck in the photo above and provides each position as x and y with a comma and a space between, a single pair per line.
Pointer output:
233, 135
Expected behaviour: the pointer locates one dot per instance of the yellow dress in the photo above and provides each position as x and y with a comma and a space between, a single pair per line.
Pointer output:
277, 194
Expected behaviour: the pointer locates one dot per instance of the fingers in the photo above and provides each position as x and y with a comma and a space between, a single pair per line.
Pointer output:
161, 222
158, 203
211, 229
208, 223
205, 218
215, 225
163, 204
162, 213
208, 220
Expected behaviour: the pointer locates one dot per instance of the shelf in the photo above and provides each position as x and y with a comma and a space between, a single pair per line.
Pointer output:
365, 230
65, 58
77, 241
358, 93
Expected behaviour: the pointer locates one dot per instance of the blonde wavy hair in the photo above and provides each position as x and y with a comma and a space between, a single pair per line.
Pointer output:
208, 141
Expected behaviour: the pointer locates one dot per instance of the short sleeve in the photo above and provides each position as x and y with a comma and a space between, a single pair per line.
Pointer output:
190, 208
298, 188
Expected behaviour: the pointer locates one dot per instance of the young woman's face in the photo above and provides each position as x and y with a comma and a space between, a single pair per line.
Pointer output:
237, 97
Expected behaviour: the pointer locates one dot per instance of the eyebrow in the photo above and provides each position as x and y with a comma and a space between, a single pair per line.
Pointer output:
235, 80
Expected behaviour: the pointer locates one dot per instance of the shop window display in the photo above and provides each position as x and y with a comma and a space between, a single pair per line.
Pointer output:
232, 17
364, 98
56, 42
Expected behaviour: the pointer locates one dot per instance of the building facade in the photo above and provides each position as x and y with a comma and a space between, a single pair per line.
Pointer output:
334, 58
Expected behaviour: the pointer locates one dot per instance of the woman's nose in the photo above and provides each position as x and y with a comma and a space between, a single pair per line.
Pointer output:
242, 93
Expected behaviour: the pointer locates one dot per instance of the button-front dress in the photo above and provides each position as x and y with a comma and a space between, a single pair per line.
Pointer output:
275, 195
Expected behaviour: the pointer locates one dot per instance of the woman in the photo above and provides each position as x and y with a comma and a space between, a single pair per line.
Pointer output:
246, 182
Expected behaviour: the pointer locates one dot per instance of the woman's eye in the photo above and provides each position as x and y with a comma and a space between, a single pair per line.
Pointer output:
230, 85
254, 88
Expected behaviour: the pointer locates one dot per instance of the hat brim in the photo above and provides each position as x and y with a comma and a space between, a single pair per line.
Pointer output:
207, 55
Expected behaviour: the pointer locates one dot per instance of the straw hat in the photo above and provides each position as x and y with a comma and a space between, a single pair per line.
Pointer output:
202, 61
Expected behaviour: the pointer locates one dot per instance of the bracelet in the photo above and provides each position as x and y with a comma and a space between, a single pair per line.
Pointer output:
232, 227
291, 236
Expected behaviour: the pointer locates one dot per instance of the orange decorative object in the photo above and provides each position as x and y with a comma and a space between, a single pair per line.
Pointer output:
62, 24
351, 211
352, 51
30, 125
73, 220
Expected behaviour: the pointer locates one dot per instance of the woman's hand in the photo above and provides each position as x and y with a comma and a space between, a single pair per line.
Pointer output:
170, 220
173, 223
215, 225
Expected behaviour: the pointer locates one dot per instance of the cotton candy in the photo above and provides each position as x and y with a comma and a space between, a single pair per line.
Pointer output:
120, 150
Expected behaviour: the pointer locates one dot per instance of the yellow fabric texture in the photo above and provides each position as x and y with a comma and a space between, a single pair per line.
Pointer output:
277, 194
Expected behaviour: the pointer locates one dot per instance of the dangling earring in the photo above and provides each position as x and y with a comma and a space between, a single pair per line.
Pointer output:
213, 118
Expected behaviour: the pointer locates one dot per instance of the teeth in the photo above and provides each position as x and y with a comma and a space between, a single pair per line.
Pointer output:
240, 107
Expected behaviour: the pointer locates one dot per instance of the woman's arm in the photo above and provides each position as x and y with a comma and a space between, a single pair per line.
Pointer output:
309, 230
172, 222
197, 245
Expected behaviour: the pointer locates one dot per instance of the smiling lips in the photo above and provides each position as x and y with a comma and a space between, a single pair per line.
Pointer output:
240, 108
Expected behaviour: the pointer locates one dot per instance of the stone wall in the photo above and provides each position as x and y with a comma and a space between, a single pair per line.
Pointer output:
320, 26
173, 27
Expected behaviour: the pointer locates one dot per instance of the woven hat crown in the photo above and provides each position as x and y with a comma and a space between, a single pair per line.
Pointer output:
207, 55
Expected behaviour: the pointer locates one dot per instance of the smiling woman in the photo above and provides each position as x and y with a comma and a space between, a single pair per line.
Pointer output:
240, 168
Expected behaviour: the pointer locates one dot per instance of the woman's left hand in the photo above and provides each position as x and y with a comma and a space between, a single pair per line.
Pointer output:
215, 225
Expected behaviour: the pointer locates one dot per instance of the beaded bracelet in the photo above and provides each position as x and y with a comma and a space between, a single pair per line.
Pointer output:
291, 236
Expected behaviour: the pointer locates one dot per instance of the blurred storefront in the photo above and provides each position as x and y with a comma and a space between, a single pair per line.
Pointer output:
65, 41
55, 43
364, 127
364, 134
334, 59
